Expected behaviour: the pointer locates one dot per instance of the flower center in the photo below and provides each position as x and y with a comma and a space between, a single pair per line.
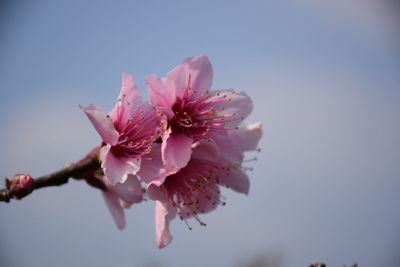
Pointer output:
194, 189
196, 115
137, 133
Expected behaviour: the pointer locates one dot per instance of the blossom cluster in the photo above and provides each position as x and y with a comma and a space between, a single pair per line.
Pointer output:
178, 150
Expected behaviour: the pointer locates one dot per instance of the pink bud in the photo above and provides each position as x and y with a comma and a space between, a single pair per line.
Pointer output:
26, 181
21, 185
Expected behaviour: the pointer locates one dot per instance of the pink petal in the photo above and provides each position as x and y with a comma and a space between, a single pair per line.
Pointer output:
236, 180
102, 124
250, 136
154, 191
164, 214
176, 149
115, 207
152, 167
162, 92
116, 169
198, 69
166, 111
130, 191
239, 104
205, 150
129, 100
204, 205
227, 147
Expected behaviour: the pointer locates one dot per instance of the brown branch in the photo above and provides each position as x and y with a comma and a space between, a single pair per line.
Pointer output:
324, 265
79, 170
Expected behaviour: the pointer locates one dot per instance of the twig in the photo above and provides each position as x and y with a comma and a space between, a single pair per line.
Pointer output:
77, 170
324, 265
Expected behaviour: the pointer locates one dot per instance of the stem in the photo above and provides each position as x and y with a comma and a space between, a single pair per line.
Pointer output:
76, 171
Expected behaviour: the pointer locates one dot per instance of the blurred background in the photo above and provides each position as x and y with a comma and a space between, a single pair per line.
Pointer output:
324, 77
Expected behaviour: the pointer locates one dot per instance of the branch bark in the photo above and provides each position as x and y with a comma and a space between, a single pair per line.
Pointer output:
79, 170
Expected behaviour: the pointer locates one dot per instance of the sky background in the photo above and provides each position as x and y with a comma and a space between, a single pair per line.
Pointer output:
324, 78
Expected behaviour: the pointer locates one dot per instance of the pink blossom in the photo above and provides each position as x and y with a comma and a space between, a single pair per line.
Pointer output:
121, 196
196, 113
128, 132
195, 188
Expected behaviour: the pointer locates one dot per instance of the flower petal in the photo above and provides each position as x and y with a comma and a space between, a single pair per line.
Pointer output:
176, 149
115, 207
203, 205
164, 214
227, 146
152, 167
237, 180
129, 100
154, 191
116, 169
239, 104
204, 150
130, 191
162, 92
197, 70
102, 124
250, 136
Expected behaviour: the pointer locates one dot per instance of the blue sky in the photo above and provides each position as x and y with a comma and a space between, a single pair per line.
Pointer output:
324, 80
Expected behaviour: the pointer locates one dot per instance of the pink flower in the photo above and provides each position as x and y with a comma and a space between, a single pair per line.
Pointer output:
121, 196
194, 113
195, 189
128, 132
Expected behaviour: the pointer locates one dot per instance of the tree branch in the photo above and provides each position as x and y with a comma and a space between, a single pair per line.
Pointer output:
79, 170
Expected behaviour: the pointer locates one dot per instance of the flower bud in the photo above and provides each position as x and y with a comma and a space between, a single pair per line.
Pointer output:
21, 185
